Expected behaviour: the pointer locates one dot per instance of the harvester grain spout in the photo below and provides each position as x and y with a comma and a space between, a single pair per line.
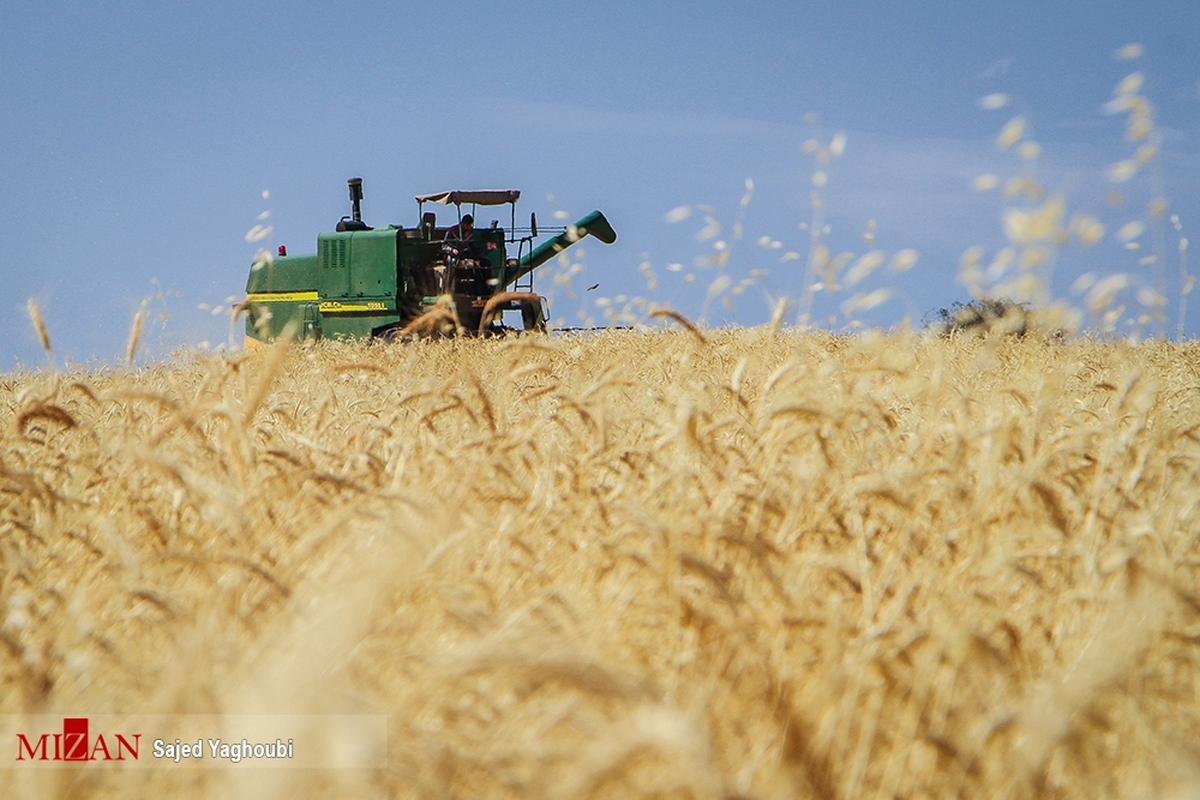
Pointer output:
594, 224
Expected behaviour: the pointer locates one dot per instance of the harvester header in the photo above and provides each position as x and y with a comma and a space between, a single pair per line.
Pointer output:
427, 279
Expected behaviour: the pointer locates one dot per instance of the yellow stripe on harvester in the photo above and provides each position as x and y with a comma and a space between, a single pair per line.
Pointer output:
281, 297
336, 306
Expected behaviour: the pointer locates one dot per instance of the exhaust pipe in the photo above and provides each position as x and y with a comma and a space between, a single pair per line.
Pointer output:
354, 223
356, 197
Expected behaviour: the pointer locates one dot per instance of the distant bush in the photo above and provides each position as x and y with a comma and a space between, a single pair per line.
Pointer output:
985, 316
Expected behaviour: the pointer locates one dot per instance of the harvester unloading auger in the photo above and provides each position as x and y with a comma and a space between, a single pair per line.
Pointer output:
396, 281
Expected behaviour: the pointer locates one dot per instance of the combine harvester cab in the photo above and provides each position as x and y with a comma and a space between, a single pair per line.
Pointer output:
426, 280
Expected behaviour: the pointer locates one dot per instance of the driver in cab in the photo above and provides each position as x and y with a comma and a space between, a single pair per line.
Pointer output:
463, 236
464, 230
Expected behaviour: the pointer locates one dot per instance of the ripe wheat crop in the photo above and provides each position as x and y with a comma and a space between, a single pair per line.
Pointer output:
693, 564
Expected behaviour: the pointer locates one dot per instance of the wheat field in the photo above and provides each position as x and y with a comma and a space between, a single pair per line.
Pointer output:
742, 563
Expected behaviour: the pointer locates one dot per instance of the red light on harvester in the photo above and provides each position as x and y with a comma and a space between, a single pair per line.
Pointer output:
282, 250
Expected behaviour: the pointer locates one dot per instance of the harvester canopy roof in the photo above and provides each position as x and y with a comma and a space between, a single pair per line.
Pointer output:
482, 197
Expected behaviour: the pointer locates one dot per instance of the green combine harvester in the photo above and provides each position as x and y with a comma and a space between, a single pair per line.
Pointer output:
396, 282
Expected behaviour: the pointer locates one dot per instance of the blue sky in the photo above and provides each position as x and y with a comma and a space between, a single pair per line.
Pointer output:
136, 141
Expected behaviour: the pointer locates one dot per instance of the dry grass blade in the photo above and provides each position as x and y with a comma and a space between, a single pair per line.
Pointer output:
46, 411
135, 336
664, 313
39, 325
360, 366
440, 320
271, 365
506, 299
777, 316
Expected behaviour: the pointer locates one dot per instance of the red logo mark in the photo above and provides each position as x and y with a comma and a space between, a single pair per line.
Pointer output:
76, 744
